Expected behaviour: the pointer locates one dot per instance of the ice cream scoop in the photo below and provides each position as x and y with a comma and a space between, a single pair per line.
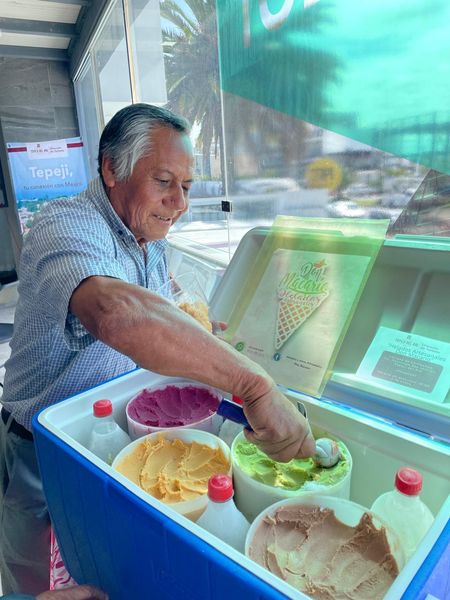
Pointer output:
327, 451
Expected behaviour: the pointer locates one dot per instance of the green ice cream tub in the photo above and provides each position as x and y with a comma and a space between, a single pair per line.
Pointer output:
260, 481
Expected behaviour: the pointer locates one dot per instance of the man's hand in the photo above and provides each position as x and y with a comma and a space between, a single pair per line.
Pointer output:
278, 428
78, 592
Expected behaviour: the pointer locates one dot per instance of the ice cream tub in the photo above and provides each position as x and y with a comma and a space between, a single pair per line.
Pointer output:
259, 481
326, 547
176, 403
174, 466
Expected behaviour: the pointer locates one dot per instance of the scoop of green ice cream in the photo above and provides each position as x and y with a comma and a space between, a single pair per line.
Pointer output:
292, 475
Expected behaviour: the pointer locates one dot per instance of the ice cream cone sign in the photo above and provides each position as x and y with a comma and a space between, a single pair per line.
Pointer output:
299, 294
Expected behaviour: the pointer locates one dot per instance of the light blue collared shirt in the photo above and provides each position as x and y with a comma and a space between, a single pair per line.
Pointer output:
53, 356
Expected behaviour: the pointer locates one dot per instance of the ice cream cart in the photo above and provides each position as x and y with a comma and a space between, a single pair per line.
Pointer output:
134, 547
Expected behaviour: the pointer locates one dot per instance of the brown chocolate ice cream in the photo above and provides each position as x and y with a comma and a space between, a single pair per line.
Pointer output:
311, 549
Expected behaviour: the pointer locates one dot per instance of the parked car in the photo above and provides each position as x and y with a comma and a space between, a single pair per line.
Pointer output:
206, 189
358, 190
382, 212
266, 185
346, 208
396, 199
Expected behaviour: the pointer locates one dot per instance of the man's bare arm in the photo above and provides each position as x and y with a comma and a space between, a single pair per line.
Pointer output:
158, 336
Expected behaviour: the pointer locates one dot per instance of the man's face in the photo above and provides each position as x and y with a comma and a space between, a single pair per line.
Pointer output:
157, 193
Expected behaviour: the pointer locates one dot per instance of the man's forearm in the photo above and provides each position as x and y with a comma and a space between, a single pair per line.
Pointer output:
158, 336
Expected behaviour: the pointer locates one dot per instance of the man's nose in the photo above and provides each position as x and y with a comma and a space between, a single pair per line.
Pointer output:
179, 197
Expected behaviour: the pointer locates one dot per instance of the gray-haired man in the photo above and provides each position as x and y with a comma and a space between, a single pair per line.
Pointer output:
87, 313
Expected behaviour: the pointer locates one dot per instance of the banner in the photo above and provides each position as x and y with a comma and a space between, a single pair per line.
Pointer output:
43, 171
375, 71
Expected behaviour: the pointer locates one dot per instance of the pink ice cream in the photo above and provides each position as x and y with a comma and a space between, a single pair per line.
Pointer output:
172, 406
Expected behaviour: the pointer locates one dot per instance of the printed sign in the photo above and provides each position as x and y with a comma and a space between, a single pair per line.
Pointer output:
407, 362
46, 170
298, 313
324, 173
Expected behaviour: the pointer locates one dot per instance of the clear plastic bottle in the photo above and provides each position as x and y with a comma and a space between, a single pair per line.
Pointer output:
106, 439
404, 511
221, 517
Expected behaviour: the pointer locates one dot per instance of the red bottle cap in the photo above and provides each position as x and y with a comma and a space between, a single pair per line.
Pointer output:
408, 481
102, 408
220, 488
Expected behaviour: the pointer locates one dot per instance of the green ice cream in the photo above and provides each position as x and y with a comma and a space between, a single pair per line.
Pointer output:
289, 476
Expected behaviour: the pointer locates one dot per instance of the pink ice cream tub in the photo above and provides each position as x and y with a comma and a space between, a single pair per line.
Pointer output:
174, 404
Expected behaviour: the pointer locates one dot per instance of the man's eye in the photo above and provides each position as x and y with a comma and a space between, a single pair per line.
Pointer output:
163, 181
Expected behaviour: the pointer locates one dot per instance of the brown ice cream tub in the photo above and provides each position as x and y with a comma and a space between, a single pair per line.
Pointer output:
319, 543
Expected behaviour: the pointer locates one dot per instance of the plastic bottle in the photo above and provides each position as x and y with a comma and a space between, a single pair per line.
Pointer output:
221, 517
106, 439
404, 511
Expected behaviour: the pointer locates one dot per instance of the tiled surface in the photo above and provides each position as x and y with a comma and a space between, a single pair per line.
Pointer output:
36, 100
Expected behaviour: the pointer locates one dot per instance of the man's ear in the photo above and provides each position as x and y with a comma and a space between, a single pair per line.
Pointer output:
108, 173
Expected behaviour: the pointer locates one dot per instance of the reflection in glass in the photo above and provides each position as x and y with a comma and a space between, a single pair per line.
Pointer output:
428, 212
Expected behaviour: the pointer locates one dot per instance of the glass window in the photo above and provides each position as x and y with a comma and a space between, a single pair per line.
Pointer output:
189, 33
88, 118
286, 119
111, 64
147, 59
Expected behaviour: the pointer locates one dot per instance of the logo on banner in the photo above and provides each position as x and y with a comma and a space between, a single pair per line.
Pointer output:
270, 20
56, 149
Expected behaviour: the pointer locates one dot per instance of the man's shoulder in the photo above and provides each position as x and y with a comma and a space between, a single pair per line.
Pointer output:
66, 214
65, 207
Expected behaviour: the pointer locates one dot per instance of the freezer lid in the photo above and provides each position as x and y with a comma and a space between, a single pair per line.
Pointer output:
406, 295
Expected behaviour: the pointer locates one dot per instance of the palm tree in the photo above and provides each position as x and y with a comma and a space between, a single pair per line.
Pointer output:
192, 74
192, 69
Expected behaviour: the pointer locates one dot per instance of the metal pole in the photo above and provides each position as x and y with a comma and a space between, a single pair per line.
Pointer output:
129, 44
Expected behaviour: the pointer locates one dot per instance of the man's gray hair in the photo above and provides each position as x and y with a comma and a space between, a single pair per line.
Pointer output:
127, 137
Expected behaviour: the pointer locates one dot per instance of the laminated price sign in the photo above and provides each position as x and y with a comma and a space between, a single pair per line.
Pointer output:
408, 363
293, 312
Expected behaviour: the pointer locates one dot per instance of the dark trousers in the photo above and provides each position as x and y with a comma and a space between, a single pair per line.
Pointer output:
24, 519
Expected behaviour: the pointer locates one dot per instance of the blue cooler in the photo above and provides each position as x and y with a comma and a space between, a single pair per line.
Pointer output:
135, 548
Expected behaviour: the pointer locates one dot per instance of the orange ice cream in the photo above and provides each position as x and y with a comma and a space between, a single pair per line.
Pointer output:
173, 470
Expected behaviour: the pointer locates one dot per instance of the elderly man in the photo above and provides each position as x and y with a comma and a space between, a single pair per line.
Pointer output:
87, 313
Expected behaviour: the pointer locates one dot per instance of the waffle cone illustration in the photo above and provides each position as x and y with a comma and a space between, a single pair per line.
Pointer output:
293, 312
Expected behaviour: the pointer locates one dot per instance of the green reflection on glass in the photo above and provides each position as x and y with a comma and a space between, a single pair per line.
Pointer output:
375, 71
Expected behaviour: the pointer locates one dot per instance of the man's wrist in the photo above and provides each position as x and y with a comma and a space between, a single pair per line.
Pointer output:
253, 387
